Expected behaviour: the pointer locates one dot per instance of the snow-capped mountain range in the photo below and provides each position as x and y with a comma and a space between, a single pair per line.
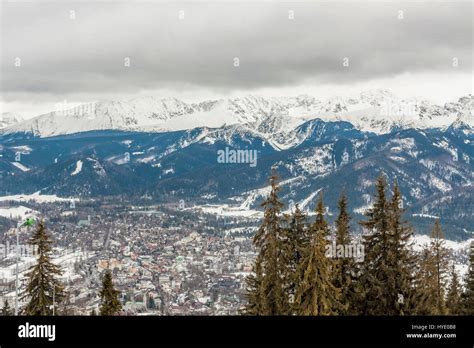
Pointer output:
167, 149
376, 111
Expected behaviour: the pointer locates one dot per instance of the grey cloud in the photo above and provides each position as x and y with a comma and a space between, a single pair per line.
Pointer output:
86, 55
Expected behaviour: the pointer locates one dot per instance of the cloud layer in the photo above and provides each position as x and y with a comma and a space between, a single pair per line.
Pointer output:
86, 55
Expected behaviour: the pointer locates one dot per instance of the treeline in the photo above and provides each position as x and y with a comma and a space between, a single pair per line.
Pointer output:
45, 295
293, 273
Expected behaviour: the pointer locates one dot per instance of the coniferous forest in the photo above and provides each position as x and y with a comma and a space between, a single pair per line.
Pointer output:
298, 271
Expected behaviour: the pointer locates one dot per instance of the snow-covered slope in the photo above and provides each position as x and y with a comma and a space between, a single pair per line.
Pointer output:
8, 119
374, 111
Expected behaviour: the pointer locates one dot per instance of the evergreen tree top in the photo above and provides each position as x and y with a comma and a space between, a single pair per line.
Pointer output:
320, 210
437, 232
41, 238
110, 304
343, 221
378, 214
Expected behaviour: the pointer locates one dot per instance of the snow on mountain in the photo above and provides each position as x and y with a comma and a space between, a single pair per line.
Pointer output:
248, 199
421, 241
375, 111
19, 212
36, 197
305, 202
78, 168
21, 166
225, 210
8, 119
458, 250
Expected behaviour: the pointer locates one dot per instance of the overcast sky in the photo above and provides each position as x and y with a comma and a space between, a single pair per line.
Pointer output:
410, 48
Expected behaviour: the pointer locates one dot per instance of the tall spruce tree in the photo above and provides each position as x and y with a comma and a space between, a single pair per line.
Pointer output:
467, 298
6, 308
253, 285
109, 301
375, 286
402, 262
423, 298
426, 282
269, 241
453, 298
433, 272
43, 285
315, 293
386, 281
344, 267
295, 241
440, 258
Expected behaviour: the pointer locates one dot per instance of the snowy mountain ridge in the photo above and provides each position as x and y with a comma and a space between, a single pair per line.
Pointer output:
277, 119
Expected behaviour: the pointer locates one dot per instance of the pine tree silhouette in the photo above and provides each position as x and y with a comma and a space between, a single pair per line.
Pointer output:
110, 304
43, 284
